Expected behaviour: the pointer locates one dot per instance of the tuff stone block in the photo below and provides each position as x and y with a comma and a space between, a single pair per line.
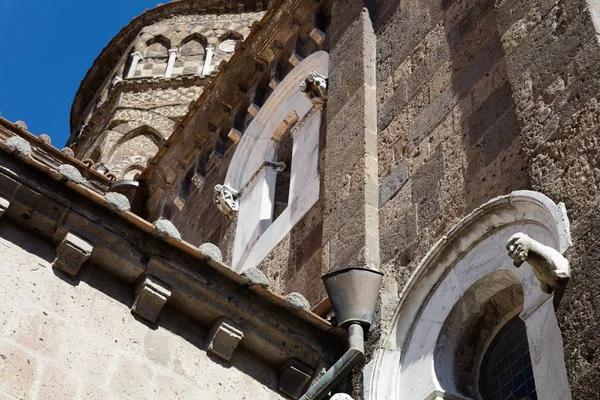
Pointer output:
72, 252
151, 295
294, 378
224, 338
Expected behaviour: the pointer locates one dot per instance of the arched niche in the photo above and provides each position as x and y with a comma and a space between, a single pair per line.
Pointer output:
250, 175
462, 273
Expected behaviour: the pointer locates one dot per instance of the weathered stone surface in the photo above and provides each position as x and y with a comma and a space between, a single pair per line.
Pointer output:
212, 251
151, 295
68, 152
20, 146
298, 301
256, 277
71, 173
45, 138
165, 229
71, 253
223, 338
117, 201
21, 125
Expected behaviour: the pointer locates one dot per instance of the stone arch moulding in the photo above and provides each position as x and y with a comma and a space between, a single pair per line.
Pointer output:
256, 233
472, 253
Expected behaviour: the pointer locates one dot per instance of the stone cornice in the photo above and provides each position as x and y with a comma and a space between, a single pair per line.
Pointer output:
190, 281
111, 55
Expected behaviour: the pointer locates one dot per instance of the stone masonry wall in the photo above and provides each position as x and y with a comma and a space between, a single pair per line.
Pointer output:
63, 339
149, 104
477, 99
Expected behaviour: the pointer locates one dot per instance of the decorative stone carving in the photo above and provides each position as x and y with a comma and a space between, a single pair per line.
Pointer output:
315, 87
224, 338
198, 180
71, 253
226, 199
4, 204
151, 295
551, 269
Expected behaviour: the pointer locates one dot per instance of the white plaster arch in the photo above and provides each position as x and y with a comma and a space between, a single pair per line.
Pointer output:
473, 250
256, 233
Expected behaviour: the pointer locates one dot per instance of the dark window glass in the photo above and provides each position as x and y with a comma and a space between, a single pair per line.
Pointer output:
506, 372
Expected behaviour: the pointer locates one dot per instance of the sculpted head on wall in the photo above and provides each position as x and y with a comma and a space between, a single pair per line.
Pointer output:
549, 266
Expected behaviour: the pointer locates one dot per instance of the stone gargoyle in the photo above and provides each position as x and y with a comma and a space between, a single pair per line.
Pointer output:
226, 199
551, 269
315, 87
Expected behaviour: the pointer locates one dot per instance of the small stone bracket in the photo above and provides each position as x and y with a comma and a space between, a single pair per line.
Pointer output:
151, 295
224, 338
4, 204
294, 378
71, 253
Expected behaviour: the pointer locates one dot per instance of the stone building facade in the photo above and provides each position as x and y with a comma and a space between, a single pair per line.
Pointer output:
450, 146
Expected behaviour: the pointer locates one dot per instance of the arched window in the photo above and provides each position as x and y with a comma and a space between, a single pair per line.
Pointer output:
272, 197
155, 57
471, 326
506, 371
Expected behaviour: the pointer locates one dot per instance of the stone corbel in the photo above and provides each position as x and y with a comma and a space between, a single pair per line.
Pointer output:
315, 87
226, 200
224, 338
151, 295
294, 378
4, 204
71, 253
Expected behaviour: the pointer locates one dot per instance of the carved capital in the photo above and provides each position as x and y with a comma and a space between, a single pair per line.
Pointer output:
151, 295
315, 87
226, 200
71, 253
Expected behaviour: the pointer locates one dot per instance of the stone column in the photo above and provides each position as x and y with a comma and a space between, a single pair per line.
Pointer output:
135, 59
206, 70
351, 219
173, 53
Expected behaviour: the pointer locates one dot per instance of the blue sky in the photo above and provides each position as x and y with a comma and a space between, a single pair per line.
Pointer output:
46, 49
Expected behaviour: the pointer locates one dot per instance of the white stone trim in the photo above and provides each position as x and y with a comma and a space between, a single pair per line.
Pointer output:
473, 250
173, 54
256, 233
207, 68
135, 59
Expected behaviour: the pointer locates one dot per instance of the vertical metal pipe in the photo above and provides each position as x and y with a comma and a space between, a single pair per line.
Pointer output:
354, 355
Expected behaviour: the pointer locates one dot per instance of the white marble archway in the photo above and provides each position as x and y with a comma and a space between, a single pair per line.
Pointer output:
256, 233
473, 250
